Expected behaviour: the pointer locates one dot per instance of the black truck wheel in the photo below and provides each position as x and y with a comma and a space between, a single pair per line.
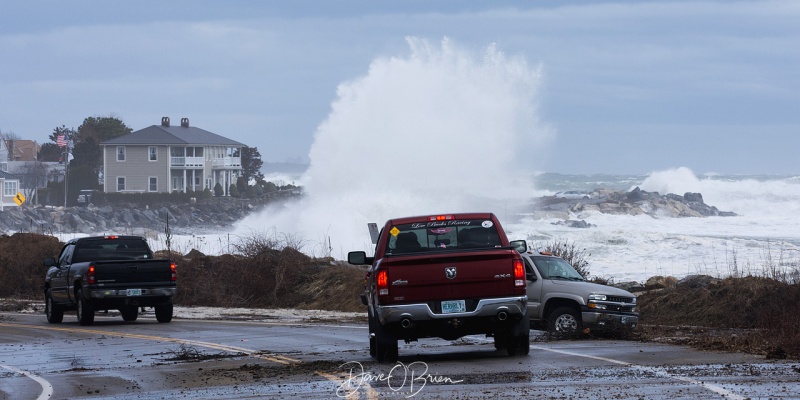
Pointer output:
164, 313
386, 349
85, 311
129, 313
371, 337
53, 312
519, 337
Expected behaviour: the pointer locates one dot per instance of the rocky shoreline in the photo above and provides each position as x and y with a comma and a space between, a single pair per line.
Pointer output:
634, 202
218, 214
209, 215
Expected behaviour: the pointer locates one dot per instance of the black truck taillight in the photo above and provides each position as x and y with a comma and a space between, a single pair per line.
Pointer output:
90, 279
173, 272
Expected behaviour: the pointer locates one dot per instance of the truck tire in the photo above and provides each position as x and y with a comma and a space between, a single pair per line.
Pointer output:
386, 349
519, 337
500, 341
53, 312
85, 311
564, 321
129, 313
164, 313
371, 337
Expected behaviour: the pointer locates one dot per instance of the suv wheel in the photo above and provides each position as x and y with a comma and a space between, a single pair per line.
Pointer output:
564, 321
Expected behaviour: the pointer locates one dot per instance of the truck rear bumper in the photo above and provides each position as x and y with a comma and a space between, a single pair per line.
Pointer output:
602, 320
422, 312
125, 294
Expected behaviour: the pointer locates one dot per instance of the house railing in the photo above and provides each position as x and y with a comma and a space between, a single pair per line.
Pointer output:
226, 162
186, 161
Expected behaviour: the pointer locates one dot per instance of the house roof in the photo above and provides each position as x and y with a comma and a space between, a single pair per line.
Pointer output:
177, 135
7, 176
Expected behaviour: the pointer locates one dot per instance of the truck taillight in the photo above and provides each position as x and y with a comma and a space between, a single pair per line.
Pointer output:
519, 273
90, 279
173, 272
383, 283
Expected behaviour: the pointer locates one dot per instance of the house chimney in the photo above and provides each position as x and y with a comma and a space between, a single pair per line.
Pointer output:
165, 121
185, 122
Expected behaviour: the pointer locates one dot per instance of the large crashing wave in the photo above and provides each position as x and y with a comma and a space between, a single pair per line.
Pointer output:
442, 129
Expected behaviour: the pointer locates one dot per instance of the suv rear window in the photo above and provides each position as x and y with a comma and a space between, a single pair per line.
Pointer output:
442, 236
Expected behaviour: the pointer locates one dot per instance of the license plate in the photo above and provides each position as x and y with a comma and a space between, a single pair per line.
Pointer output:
134, 292
453, 306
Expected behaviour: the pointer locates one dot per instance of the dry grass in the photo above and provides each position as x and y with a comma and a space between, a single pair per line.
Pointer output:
750, 314
21, 269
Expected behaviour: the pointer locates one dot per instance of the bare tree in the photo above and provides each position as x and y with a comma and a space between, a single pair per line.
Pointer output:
32, 175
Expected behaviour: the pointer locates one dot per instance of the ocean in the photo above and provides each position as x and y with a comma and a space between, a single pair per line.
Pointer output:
762, 239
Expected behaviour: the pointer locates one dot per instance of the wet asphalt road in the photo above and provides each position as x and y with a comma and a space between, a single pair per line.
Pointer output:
201, 359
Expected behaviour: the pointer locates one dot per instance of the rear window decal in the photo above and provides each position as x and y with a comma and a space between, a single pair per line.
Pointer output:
394, 231
487, 224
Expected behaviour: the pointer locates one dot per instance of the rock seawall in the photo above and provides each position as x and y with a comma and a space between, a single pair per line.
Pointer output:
209, 215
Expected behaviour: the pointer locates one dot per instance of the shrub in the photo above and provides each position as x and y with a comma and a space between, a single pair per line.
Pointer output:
233, 191
571, 254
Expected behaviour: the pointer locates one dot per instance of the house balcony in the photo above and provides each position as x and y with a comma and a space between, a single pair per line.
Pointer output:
187, 162
226, 163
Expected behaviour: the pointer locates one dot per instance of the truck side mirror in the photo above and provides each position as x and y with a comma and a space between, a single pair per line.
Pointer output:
359, 258
49, 262
531, 277
520, 246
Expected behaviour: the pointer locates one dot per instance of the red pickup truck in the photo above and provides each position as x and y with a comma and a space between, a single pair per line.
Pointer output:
444, 276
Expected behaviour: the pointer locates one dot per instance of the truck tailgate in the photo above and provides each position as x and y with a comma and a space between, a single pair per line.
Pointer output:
433, 277
139, 272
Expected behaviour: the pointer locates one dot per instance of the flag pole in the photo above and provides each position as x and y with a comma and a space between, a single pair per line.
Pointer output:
66, 167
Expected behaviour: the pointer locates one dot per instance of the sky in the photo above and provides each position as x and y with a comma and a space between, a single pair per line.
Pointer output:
625, 87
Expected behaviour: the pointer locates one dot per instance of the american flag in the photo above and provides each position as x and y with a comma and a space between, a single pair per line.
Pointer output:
61, 141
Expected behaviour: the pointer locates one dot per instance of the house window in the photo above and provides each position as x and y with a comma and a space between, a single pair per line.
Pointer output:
120, 183
10, 189
120, 153
153, 153
3, 167
153, 184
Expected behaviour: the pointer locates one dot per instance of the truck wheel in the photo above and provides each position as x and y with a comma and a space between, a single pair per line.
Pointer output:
519, 337
53, 312
164, 313
500, 341
129, 313
385, 344
85, 311
564, 321
371, 337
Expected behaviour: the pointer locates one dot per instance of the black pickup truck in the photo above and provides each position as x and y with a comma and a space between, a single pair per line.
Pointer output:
108, 272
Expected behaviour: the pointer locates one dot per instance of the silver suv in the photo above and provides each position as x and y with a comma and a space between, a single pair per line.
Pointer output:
563, 301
